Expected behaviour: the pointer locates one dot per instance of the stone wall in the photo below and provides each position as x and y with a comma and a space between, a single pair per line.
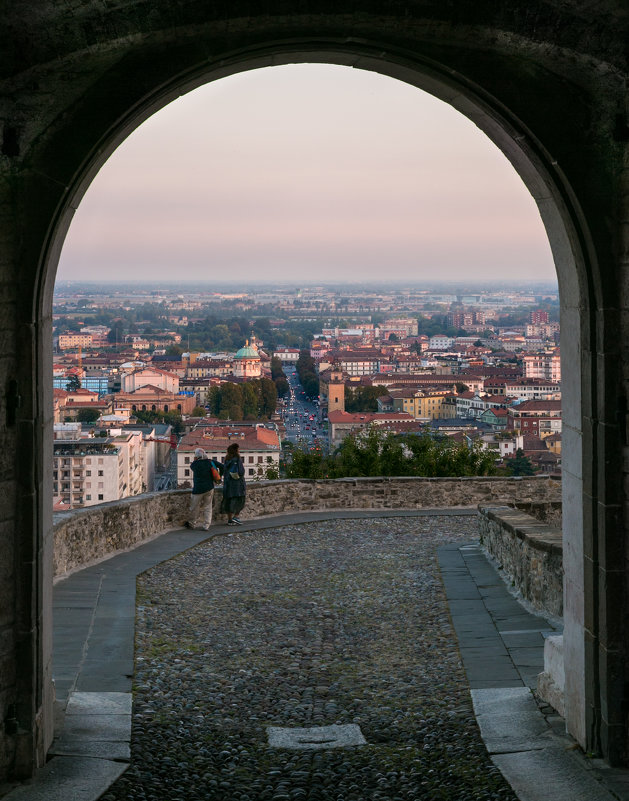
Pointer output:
85, 536
529, 551
548, 512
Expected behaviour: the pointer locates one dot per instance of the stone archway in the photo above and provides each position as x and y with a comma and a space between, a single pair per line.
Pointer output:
553, 102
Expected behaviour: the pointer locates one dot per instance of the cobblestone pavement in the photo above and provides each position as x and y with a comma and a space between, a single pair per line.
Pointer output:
306, 625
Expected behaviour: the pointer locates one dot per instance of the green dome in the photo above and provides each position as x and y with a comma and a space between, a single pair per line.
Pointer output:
248, 352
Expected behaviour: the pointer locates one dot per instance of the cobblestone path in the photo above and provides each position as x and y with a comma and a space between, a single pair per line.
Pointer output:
305, 625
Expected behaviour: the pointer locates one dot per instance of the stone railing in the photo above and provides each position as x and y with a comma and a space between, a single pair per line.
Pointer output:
528, 549
85, 536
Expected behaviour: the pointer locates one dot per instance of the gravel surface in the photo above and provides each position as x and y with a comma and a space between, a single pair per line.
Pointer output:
299, 626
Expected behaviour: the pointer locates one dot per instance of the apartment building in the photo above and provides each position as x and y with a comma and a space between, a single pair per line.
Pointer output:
73, 340
423, 404
540, 418
89, 470
532, 389
471, 404
440, 342
209, 368
545, 365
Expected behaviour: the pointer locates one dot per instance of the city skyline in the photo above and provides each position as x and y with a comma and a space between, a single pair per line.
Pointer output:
366, 178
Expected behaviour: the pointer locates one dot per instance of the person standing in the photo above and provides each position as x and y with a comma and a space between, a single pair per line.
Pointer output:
233, 485
203, 480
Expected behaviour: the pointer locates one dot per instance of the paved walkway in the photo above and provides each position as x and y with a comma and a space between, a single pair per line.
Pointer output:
500, 645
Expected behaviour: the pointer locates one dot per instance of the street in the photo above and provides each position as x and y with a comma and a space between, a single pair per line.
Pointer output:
300, 416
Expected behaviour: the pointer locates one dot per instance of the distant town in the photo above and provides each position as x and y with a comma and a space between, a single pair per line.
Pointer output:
145, 374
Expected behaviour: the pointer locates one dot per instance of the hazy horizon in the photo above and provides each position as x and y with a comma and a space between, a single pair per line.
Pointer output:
319, 169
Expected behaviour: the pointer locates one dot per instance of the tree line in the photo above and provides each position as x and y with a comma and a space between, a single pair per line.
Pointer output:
307, 373
380, 453
278, 376
252, 400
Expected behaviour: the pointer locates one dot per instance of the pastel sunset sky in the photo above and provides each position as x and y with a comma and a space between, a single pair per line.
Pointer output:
314, 172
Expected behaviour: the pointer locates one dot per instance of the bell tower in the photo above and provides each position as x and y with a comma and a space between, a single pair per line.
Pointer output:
336, 391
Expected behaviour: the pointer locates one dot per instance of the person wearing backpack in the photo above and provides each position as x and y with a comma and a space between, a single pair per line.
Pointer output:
234, 487
205, 474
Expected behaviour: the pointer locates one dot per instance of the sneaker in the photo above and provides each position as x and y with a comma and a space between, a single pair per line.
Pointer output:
232, 523
237, 521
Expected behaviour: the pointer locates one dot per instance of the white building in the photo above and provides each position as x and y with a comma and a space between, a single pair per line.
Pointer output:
287, 355
89, 470
543, 365
150, 376
532, 389
440, 342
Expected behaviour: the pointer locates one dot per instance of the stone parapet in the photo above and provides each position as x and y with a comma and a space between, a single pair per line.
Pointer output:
85, 536
529, 551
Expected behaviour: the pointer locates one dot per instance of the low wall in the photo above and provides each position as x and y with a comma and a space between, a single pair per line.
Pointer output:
529, 551
548, 512
84, 536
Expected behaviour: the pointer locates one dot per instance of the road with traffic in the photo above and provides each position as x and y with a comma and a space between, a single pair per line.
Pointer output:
300, 416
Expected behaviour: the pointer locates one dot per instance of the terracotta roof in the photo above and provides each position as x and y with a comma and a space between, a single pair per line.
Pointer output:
539, 405
367, 417
218, 439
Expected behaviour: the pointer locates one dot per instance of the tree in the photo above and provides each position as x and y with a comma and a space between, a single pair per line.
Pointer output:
520, 465
198, 411
461, 387
231, 401
363, 399
277, 371
213, 399
268, 397
74, 383
115, 335
87, 415
250, 392
377, 453
282, 386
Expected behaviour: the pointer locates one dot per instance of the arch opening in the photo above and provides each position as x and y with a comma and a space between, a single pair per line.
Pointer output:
565, 225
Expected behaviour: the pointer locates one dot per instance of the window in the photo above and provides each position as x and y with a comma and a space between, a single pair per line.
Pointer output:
186, 472
186, 460
260, 459
251, 460
88, 472
100, 497
251, 471
88, 497
101, 473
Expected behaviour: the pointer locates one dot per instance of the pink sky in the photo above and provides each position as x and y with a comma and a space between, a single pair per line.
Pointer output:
308, 171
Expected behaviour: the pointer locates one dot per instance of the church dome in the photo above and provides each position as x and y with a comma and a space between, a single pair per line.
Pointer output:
248, 352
